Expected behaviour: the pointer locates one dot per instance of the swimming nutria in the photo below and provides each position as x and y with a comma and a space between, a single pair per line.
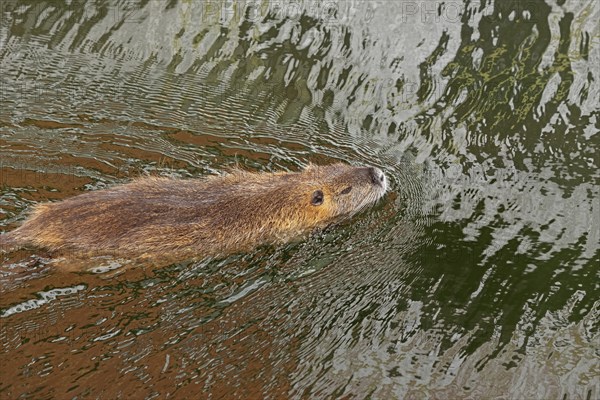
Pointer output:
153, 217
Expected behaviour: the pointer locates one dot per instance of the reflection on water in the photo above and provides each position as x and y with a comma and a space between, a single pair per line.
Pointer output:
476, 276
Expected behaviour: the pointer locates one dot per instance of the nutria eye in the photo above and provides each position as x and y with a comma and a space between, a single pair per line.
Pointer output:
317, 198
347, 190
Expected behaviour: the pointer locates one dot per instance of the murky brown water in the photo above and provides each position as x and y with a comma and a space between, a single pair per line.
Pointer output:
476, 277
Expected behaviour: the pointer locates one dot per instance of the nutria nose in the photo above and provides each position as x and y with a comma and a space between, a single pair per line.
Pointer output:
377, 176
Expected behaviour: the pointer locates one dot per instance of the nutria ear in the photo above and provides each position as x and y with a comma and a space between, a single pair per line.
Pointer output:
313, 171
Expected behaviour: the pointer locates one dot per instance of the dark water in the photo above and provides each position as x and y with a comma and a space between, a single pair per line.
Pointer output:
476, 277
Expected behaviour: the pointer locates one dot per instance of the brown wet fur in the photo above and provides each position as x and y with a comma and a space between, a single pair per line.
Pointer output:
154, 218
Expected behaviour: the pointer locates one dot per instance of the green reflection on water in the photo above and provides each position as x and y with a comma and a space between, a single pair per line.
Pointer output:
500, 113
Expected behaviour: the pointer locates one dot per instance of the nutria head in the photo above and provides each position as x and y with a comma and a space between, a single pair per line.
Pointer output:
320, 195
343, 190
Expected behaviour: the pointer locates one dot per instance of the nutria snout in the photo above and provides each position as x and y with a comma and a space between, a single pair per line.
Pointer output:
153, 218
377, 176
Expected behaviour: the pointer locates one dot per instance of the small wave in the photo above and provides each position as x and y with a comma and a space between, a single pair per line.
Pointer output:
44, 298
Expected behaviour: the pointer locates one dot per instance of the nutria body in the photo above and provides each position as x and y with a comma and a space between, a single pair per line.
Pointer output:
155, 217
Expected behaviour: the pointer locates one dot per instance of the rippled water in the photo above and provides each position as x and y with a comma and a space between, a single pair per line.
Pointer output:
477, 276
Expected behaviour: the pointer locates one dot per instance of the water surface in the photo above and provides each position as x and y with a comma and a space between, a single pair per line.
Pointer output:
475, 277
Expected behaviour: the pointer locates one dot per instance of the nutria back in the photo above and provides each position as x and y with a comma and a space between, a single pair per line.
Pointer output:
152, 217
